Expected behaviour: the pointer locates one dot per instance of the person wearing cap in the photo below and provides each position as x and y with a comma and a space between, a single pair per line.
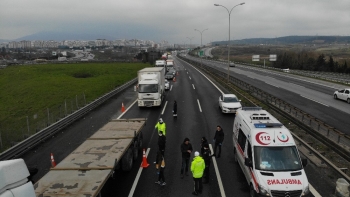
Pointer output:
161, 142
218, 139
197, 169
206, 155
186, 150
161, 126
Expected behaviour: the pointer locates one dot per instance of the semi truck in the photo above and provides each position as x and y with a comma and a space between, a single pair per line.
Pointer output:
85, 171
14, 180
151, 82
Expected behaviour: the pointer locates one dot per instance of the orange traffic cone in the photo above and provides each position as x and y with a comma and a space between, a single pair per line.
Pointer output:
174, 79
123, 108
53, 163
144, 163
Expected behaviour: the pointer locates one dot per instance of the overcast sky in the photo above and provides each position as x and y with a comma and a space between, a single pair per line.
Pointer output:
175, 20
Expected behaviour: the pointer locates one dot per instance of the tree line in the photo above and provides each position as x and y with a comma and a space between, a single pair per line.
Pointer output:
311, 62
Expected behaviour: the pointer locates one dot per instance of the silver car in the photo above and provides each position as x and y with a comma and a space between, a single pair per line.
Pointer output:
229, 103
166, 85
343, 94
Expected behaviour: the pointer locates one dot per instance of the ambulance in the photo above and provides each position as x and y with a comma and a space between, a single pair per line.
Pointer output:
268, 156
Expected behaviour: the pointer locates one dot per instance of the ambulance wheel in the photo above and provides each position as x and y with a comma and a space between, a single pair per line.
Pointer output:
252, 192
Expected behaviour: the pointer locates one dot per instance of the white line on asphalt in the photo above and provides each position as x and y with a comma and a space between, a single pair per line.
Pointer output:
272, 85
189, 77
137, 177
222, 191
164, 107
314, 100
313, 191
297, 85
127, 109
199, 105
171, 87
187, 72
193, 86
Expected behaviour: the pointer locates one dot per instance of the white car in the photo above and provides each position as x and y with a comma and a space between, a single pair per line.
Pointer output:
166, 85
343, 94
229, 103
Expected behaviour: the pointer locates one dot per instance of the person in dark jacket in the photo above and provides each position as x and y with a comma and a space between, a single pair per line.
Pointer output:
160, 165
206, 155
186, 150
204, 142
218, 139
161, 142
175, 109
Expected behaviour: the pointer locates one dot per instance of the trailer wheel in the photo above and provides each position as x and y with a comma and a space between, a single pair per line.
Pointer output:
127, 160
135, 150
140, 139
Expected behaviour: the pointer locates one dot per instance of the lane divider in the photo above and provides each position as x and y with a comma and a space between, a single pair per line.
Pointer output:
193, 87
199, 105
121, 115
221, 186
137, 177
314, 100
166, 102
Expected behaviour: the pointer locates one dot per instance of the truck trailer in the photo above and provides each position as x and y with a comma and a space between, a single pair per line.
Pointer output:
86, 170
151, 83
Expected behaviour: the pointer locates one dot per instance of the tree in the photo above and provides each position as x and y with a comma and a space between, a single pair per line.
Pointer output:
331, 65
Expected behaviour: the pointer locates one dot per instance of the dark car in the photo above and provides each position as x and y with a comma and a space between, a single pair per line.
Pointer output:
169, 75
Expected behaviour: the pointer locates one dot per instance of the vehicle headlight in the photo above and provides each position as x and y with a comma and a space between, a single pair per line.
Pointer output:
306, 191
263, 191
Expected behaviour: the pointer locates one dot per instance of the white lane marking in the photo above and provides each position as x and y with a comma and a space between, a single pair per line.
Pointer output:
171, 87
187, 72
272, 85
199, 105
297, 85
189, 77
164, 107
222, 191
313, 191
127, 109
193, 86
137, 177
314, 100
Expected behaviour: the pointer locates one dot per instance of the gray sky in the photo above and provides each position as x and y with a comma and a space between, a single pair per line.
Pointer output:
175, 20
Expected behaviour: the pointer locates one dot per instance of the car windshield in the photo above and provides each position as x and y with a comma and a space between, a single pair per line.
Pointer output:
231, 100
148, 88
169, 73
282, 158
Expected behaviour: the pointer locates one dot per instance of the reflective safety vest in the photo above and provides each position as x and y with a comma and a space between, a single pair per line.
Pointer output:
197, 167
161, 127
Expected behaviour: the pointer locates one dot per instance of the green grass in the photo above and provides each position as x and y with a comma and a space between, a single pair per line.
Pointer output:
29, 90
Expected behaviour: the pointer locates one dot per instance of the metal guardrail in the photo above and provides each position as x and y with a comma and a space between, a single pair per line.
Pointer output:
20, 148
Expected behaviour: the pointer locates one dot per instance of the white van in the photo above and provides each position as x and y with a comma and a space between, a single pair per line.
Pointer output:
267, 155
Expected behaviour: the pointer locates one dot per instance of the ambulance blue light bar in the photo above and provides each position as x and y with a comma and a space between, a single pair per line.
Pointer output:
267, 125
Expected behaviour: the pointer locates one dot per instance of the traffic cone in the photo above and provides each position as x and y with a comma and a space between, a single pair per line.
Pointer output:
144, 163
123, 108
53, 163
174, 79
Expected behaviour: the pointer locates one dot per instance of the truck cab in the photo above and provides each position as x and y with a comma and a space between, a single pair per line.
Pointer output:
151, 82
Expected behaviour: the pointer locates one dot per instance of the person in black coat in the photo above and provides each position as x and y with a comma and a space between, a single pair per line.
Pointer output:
175, 109
206, 156
161, 142
186, 150
218, 139
204, 142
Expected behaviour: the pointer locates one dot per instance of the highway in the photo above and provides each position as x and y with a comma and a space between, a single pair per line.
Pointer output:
198, 116
312, 96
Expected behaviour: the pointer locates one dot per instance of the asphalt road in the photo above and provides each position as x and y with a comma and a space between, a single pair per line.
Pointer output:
312, 96
198, 116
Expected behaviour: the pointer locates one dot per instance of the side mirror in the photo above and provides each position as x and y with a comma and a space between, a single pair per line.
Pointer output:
304, 162
248, 162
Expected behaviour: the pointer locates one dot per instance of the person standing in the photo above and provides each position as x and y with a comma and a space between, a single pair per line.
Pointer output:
175, 109
204, 141
197, 169
218, 139
186, 150
161, 126
206, 155
161, 142
160, 166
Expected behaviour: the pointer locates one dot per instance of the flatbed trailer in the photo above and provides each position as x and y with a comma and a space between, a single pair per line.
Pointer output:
85, 171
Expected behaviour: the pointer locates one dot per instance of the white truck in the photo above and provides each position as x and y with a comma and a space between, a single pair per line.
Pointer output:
160, 63
151, 82
14, 179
